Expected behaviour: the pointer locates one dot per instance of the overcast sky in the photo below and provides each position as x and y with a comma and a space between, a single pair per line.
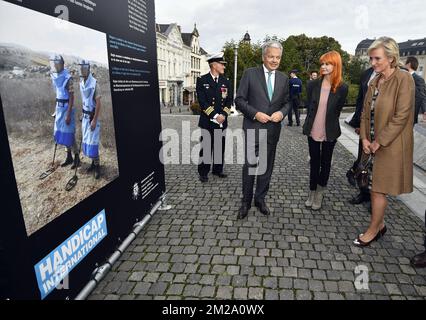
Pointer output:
51, 35
348, 21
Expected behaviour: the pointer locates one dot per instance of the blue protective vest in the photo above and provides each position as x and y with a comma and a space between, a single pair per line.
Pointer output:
87, 90
60, 82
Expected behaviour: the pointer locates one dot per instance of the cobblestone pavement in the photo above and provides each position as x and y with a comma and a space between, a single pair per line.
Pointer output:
199, 249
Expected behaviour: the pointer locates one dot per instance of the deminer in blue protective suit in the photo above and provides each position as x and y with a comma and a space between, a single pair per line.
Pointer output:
91, 127
64, 129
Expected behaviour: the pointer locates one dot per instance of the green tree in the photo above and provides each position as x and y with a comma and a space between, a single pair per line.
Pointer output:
355, 69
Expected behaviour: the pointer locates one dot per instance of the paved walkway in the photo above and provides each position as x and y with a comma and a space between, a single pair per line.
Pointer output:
199, 249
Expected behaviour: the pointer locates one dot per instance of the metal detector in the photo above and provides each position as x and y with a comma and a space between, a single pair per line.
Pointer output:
52, 169
74, 180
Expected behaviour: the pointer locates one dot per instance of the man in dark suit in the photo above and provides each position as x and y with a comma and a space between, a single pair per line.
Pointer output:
263, 98
419, 261
215, 99
366, 78
412, 64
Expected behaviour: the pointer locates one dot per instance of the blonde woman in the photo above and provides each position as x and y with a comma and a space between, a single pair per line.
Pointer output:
387, 133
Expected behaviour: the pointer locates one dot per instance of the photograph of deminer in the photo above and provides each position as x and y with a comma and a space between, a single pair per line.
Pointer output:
56, 99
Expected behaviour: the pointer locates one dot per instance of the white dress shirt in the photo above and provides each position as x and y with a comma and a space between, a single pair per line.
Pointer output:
267, 77
214, 78
373, 75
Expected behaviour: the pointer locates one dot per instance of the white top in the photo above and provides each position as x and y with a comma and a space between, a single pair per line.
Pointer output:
373, 75
267, 76
214, 78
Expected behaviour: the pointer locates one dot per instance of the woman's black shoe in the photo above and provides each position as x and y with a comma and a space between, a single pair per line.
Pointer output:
359, 243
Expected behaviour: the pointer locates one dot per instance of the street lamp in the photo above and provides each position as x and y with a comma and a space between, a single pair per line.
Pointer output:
234, 109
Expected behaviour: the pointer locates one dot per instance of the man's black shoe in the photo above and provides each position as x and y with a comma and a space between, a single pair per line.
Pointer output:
221, 175
419, 261
351, 177
360, 198
263, 208
243, 212
204, 179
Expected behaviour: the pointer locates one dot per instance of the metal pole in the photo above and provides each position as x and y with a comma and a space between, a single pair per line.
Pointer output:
234, 109
100, 272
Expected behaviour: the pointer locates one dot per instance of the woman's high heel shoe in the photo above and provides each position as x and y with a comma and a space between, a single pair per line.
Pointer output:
359, 243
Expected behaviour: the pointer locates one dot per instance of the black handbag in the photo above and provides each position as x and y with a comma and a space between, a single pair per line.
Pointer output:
362, 173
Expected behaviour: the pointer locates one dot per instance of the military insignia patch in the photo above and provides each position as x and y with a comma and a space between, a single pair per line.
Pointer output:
224, 91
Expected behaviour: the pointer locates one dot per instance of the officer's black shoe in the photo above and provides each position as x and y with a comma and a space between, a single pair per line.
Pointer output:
360, 198
97, 171
221, 175
298, 124
76, 163
244, 210
290, 124
204, 179
419, 261
263, 208
91, 168
351, 177
69, 160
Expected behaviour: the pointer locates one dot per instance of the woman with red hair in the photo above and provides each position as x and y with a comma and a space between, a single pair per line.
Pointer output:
327, 96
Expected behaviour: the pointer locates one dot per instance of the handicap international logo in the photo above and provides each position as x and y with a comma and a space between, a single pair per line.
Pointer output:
57, 265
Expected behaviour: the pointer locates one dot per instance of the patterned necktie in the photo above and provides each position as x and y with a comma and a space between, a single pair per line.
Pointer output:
270, 88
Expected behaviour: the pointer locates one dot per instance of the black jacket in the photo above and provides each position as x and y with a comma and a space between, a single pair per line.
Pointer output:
363, 88
336, 102
214, 98
420, 94
252, 97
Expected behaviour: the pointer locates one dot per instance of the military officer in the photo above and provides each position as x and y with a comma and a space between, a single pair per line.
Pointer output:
91, 98
64, 130
215, 99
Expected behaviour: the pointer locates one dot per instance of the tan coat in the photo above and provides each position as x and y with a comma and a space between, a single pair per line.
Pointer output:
393, 127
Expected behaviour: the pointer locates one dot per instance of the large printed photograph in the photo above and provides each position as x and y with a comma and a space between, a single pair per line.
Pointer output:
56, 99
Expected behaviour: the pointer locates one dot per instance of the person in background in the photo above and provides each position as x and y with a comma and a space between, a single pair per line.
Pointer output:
295, 96
327, 98
387, 133
366, 78
419, 261
312, 77
412, 64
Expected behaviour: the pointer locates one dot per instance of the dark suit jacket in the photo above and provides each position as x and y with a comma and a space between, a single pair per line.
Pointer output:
214, 98
336, 102
420, 94
252, 97
363, 88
